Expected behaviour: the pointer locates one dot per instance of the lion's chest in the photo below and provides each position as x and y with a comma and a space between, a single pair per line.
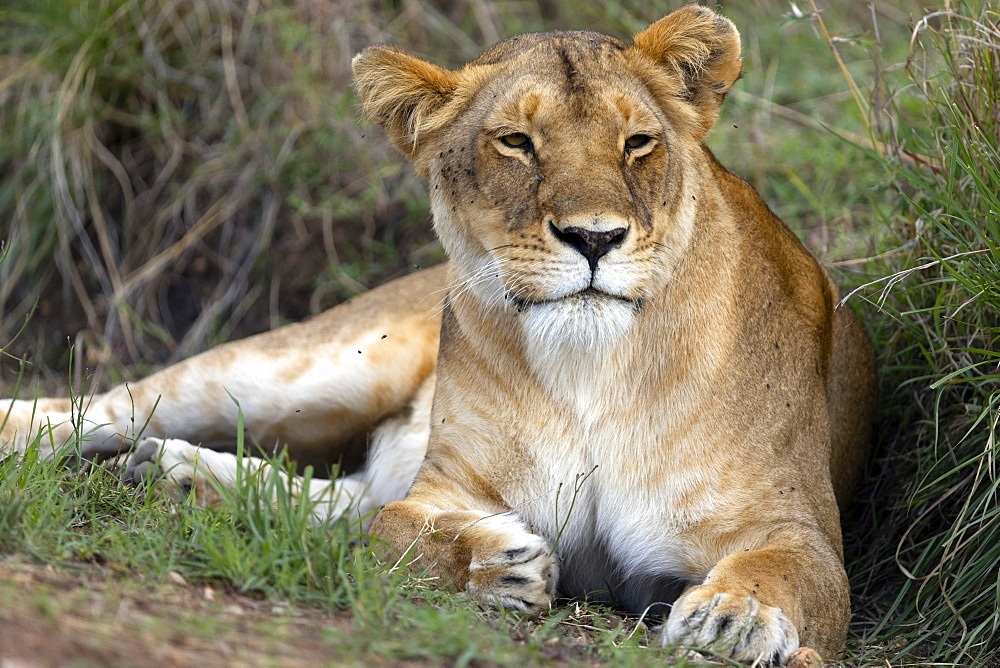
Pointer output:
616, 492
604, 451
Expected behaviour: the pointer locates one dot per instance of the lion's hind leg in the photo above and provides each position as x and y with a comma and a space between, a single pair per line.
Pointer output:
58, 426
182, 469
210, 479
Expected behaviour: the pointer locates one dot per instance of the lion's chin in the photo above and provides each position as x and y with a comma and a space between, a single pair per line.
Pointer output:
586, 321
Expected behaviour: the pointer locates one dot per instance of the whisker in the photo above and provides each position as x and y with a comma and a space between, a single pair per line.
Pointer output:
490, 271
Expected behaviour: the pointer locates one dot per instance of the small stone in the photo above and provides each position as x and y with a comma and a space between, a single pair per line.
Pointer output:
805, 657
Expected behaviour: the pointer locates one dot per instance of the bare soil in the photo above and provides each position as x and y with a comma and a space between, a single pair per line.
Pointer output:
92, 616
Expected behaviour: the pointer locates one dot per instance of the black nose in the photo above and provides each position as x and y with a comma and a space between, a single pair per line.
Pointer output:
588, 243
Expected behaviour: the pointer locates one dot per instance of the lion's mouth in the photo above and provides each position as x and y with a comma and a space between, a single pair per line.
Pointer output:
587, 295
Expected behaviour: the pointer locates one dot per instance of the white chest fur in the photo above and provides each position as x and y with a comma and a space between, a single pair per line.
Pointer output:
609, 485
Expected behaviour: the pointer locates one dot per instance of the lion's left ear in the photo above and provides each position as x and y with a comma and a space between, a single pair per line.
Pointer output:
698, 51
403, 94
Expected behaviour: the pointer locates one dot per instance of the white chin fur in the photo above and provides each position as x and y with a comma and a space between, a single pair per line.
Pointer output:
569, 345
576, 324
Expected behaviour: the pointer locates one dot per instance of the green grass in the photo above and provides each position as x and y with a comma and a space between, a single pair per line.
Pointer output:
154, 207
940, 332
74, 519
161, 161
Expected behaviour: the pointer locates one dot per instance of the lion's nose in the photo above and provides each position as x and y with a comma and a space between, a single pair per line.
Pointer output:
590, 244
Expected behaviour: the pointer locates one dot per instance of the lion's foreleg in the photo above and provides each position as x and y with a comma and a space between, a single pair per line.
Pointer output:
762, 604
494, 557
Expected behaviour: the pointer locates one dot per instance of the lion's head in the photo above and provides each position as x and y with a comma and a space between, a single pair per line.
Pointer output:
557, 162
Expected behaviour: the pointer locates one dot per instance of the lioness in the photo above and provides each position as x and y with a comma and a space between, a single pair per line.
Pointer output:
639, 389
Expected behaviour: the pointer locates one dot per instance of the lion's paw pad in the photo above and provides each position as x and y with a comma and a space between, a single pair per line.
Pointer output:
729, 624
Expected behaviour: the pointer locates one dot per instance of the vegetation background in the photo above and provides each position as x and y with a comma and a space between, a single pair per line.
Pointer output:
176, 173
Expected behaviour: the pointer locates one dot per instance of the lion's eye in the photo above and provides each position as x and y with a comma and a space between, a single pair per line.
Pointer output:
517, 140
635, 142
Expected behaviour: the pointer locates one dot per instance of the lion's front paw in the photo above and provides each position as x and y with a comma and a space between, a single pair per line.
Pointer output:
738, 626
511, 567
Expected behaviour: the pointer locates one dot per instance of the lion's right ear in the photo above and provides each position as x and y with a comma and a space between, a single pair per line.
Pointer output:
403, 94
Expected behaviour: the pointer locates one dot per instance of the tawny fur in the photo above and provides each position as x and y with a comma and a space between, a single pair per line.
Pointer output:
643, 388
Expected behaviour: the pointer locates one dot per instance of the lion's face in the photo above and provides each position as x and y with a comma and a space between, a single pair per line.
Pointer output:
556, 163
554, 189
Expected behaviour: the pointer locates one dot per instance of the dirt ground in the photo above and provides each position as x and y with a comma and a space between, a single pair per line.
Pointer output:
93, 617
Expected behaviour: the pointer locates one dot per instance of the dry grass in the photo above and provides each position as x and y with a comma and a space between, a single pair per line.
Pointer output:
181, 172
